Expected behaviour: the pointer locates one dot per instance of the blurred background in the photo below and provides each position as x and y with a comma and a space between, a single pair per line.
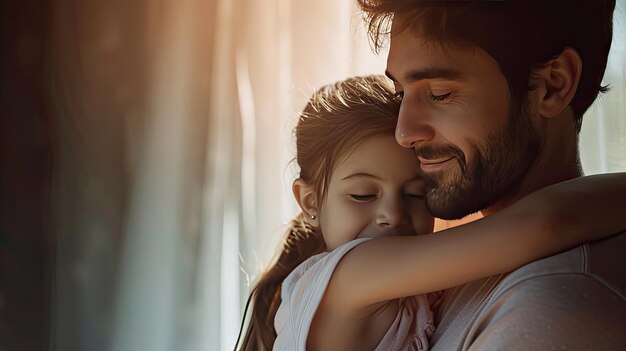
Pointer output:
145, 160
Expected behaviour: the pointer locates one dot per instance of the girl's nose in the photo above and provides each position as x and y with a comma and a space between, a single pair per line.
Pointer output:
392, 214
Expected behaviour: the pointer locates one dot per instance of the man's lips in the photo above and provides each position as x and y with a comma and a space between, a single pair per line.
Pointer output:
428, 162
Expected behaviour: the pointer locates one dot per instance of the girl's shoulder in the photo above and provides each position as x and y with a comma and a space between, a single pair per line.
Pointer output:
302, 292
315, 269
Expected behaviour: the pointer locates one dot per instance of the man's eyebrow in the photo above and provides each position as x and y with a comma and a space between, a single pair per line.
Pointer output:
360, 175
428, 73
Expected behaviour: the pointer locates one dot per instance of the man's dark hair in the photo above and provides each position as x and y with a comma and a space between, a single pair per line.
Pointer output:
519, 34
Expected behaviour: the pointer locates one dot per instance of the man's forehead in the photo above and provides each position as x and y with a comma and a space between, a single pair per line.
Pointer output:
410, 50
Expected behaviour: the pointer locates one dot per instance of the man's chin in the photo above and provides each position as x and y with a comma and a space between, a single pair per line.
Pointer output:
447, 210
450, 200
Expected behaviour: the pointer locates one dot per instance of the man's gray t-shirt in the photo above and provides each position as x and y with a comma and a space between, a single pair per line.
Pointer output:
575, 300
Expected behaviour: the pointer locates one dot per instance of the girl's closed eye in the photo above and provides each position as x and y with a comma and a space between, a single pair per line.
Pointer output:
363, 198
415, 191
414, 197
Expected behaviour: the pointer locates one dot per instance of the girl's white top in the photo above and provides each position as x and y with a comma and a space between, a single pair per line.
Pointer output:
304, 288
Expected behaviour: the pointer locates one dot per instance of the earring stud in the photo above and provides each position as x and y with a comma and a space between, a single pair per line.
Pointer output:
313, 216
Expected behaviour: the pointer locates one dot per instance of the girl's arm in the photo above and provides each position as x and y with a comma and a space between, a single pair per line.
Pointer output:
545, 222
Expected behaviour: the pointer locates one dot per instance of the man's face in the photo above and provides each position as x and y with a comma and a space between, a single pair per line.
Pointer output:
456, 115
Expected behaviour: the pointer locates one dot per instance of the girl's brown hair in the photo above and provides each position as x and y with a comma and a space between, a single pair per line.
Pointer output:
334, 122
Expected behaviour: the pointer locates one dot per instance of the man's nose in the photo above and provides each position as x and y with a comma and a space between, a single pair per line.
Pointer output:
392, 213
412, 128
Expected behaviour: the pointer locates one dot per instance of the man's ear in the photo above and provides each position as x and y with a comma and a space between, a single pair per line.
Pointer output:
307, 199
557, 82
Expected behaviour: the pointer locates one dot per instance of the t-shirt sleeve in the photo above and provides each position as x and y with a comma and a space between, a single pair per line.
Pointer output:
302, 292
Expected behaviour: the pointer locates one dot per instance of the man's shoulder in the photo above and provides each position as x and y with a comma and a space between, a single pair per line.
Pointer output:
600, 262
574, 300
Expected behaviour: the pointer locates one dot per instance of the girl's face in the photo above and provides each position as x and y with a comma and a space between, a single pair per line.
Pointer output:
375, 191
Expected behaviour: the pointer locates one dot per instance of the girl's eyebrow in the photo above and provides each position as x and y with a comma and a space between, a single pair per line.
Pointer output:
360, 175
369, 175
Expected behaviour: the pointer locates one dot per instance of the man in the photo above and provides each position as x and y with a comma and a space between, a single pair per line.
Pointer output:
493, 94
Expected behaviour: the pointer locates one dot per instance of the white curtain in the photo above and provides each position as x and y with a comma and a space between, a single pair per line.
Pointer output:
174, 140
603, 136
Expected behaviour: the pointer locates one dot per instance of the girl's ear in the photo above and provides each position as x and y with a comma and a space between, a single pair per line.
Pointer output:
307, 199
557, 82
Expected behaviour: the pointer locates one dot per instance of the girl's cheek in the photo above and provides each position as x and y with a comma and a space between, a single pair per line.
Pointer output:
423, 222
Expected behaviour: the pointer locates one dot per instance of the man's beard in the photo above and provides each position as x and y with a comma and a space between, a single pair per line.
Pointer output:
497, 170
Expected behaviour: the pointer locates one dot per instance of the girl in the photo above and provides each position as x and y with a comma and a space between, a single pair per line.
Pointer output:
333, 288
